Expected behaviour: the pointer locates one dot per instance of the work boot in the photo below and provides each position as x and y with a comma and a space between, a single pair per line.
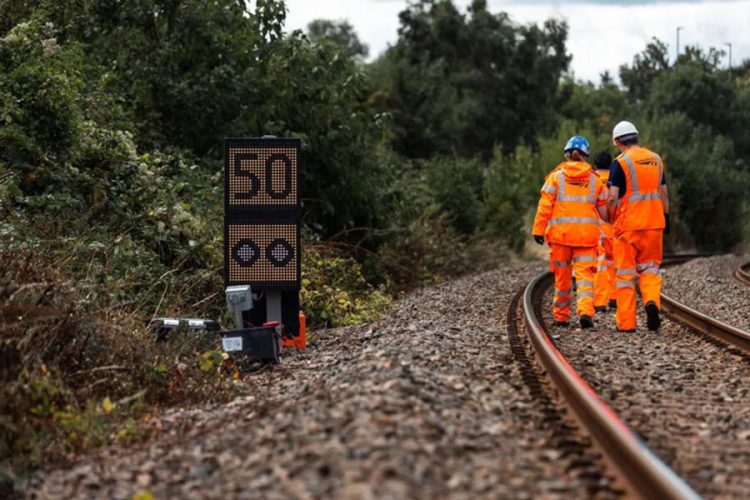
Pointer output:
586, 322
612, 304
626, 331
600, 309
562, 323
652, 317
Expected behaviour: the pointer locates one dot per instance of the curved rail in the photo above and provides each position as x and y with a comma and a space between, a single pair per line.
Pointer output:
681, 258
640, 469
706, 324
743, 273
711, 326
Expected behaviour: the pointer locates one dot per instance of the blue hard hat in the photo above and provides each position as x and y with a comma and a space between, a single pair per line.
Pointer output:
578, 142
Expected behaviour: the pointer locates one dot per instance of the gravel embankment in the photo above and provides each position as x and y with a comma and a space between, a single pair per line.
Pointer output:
708, 286
685, 395
427, 402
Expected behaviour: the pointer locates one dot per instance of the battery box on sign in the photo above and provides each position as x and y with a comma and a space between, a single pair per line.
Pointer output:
262, 343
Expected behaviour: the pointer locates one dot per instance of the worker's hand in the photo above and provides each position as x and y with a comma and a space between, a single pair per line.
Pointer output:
539, 239
667, 227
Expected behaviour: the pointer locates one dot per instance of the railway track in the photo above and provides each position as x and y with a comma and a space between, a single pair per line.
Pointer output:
685, 439
702, 322
743, 273
561, 434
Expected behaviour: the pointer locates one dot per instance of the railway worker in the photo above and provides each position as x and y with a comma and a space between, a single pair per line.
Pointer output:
638, 205
572, 200
604, 283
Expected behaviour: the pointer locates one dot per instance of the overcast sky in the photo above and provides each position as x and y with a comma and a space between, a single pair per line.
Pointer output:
602, 34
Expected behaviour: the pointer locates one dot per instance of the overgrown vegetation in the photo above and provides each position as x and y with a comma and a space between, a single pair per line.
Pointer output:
416, 167
75, 373
335, 292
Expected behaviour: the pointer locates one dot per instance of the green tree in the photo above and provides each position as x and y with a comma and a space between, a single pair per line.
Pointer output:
41, 118
710, 182
592, 107
185, 74
309, 91
460, 84
341, 33
638, 77
696, 88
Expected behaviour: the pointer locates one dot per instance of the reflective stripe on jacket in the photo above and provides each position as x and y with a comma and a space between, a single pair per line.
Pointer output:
567, 213
641, 207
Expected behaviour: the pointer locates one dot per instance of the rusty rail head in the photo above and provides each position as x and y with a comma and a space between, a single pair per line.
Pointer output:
712, 326
692, 317
642, 471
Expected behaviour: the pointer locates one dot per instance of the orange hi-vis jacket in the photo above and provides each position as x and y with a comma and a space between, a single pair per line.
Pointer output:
642, 205
608, 231
567, 213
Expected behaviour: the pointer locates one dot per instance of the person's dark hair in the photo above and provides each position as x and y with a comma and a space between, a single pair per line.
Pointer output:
575, 155
627, 140
602, 160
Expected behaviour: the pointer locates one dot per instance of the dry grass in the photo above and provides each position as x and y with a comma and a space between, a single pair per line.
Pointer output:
77, 373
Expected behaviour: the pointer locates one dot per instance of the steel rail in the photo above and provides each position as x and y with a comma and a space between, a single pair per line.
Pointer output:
700, 321
706, 324
743, 273
635, 464
681, 258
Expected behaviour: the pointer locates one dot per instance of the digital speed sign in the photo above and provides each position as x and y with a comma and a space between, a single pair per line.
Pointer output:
262, 213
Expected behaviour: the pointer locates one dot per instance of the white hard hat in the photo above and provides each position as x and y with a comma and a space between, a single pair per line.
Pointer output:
624, 128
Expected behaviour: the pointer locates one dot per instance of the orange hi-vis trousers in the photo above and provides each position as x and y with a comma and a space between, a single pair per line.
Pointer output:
638, 256
604, 282
582, 262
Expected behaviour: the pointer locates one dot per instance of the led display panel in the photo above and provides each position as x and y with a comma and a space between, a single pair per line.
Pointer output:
264, 176
264, 255
262, 213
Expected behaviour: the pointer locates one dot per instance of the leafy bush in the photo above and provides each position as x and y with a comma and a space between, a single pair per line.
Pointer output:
74, 372
509, 195
455, 185
706, 179
428, 250
40, 119
334, 291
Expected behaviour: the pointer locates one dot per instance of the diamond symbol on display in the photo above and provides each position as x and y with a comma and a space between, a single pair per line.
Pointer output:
246, 253
280, 253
